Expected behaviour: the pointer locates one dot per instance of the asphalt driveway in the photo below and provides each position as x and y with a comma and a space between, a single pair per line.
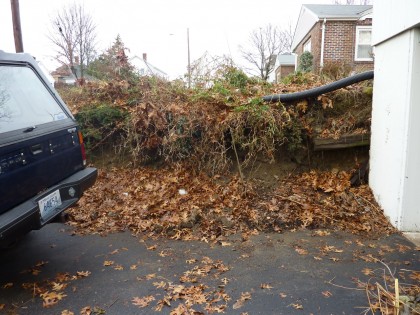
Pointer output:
53, 271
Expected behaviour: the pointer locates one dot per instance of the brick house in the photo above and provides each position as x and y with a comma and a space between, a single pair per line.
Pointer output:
285, 64
335, 33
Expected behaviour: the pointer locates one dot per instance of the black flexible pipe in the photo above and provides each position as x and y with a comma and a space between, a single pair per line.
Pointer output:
291, 97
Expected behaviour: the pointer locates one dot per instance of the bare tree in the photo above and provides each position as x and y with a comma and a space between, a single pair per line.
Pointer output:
265, 44
86, 37
289, 34
73, 34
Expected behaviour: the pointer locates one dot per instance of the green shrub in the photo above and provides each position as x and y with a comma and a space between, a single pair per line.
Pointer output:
100, 124
221, 88
236, 78
306, 62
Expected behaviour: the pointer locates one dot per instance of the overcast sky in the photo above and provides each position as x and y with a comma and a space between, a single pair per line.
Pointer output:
155, 27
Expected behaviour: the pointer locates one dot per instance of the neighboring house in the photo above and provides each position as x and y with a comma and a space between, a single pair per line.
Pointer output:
335, 33
145, 68
285, 64
64, 74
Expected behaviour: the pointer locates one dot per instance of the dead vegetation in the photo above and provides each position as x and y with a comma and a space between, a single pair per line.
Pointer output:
392, 292
197, 134
217, 123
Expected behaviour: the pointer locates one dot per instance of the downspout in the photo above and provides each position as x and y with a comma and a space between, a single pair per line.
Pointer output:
296, 61
321, 62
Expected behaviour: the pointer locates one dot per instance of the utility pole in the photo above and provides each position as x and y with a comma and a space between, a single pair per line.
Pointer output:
189, 63
17, 31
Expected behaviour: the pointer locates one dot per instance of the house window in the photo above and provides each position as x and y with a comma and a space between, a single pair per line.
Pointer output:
363, 44
307, 45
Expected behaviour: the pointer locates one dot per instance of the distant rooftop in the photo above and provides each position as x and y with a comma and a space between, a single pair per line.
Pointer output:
329, 11
286, 59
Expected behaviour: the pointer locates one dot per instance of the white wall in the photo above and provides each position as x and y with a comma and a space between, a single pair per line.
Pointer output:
305, 22
410, 216
395, 143
392, 17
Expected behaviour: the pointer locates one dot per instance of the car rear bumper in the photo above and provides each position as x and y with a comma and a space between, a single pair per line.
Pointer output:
27, 216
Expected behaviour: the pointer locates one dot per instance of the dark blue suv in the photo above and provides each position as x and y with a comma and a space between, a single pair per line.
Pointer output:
42, 156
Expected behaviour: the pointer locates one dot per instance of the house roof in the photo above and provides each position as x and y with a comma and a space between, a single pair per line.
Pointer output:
334, 11
146, 68
286, 59
312, 13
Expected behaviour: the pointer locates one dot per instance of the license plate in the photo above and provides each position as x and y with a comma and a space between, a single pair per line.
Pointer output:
49, 203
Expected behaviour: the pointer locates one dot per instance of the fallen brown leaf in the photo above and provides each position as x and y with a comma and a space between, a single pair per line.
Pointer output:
150, 276
143, 302
322, 233
51, 298
58, 286
86, 311
83, 274
368, 272
297, 306
159, 285
301, 251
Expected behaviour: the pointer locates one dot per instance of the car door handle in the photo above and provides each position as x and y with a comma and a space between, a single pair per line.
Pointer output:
36, 149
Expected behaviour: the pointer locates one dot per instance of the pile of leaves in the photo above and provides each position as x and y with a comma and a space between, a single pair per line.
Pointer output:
326, 200
182, 204
172, 202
